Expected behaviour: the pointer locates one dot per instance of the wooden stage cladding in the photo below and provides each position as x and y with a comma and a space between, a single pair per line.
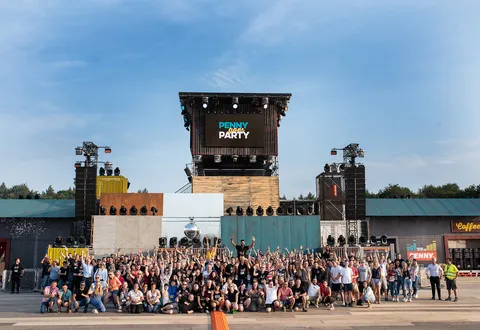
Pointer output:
241, 191
133, 199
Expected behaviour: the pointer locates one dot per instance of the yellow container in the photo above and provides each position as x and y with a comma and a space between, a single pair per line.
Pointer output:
111, 184
55, 254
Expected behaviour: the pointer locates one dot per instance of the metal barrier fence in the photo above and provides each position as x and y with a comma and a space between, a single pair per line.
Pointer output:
31, 280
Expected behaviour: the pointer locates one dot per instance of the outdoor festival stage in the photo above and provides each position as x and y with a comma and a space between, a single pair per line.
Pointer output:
22, 312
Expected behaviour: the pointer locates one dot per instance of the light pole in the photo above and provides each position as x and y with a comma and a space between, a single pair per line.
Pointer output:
350, 153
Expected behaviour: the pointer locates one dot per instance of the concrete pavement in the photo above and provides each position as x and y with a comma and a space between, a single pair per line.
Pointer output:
22, 312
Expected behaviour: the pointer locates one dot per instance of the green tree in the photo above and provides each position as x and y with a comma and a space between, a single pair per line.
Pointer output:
309, 197
66, 194
49, 193
23, 190
395, 190
283, 198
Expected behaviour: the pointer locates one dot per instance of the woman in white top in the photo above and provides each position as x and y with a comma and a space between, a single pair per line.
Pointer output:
153, 299
414, 274
102, 272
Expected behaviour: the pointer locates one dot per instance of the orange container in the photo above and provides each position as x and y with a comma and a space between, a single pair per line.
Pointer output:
333, 190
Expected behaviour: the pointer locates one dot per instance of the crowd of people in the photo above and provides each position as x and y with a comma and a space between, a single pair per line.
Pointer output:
190, 281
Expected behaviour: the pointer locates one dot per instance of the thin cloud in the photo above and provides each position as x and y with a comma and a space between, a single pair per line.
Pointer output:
68, 64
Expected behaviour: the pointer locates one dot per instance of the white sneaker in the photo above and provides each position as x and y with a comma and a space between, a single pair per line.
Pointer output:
416, 296
404, 299
409, 299
95, 311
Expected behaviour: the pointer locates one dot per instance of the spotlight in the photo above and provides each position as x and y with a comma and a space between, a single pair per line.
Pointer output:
154, 210
109, 168
259, 211
341, 240
188, 172
143, 210
113, 210
196, 243
82, 241
310, 210
300, 210
289, 210
133, 210
333, 152
229, 211
173, 242
217, 241
373, 240
239, 211
197, 158
217, 159
70, 240
207, 241
341, 167
330, 240
116, 172
162, 242
101, 171
103, 210
280, 211
265, 102
184, 242
78, 151
235, 102
326, 168
255, 102
123, 210
58, 240
361, 153
108, 150
362, 240
253, 159
78, 164
249, 211
269, 211
352, 240
384, 240
235, 158
205, 102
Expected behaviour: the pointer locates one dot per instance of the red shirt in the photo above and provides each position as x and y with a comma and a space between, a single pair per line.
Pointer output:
354, 274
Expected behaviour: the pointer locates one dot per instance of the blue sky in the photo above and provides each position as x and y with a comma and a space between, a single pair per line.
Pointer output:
399, 77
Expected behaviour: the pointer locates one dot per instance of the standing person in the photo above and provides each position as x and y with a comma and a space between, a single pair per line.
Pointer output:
407, 283
451, 273
15, 276
434, 273
364, 275
45, 271
242, 248
414, 275
347, 281
336, 279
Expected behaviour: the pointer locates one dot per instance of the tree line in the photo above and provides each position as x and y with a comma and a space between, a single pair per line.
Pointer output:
23, 191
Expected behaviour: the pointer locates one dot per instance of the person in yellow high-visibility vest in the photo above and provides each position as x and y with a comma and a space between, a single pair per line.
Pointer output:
451, 273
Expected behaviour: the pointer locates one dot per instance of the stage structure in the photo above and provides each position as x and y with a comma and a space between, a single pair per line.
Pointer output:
234, 147
341, 193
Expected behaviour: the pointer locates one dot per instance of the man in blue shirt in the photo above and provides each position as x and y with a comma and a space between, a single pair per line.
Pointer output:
64, 298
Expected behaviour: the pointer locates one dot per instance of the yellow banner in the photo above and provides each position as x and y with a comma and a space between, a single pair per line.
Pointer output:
55, 254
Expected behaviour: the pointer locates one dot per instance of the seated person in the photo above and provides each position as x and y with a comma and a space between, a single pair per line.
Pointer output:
300, 295
81, 298
368, 296
64, 298
135, 296
50, 295
187, 304
285, 295
327, 298
97, 292
314, 294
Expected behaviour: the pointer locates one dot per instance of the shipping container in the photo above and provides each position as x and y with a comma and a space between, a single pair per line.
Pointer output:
111, 184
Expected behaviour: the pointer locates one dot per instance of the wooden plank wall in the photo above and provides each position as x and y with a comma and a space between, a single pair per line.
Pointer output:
130, 199
241, 191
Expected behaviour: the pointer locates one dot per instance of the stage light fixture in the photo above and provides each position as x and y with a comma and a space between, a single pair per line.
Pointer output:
59, 240
205, 102
310, 210
154, 210
341, 240
103, 210
249, 211
217, 241
109, 168
235, 158
352, 240
373, 240
290, 210
255, 102
108, 150
197, 158
362, 240
162, 242
101, 172
239, 211
184, 242
123, 210
333, 152
196, 243
229, 211
341, 167
253, 159
133, 210
280, 211
235, 102
217, 159
265, 102
330, 240
326, 168
384, 240
78, 164
82, 241
269, 211
78, 151
173, 242
188, 172
259, 211
300, 210
113, 210
70, 240
361, 153
143, 210
207, 241
116, 172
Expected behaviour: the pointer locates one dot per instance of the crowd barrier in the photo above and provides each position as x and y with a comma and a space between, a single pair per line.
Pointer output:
469, 273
